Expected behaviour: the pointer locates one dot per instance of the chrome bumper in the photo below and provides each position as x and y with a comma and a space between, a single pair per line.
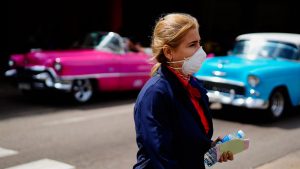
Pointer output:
44, 78
237, 100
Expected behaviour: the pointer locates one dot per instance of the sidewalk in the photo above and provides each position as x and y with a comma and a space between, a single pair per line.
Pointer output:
290, 161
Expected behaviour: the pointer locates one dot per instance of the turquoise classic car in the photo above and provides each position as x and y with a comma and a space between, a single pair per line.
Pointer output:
262, 72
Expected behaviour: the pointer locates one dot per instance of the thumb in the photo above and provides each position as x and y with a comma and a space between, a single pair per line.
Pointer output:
215, 141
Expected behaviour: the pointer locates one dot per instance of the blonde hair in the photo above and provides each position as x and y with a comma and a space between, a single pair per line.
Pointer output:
170, 30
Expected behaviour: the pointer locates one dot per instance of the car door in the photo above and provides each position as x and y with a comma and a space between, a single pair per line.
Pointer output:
111, 48
109, 71
134, 70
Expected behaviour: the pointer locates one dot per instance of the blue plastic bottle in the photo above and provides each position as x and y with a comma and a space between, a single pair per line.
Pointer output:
236, 135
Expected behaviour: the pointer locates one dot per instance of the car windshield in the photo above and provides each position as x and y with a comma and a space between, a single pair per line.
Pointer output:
103, 41
267, 49
91, 40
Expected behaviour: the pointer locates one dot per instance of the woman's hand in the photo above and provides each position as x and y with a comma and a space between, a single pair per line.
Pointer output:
226, 156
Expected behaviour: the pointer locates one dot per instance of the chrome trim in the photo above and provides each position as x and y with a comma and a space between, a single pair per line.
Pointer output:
65, 82
61, 86
10, 73
253, 92
36, 68
220, 65
57, 82
53, 73
218, 73
45, 77
44, 68
98, 75
105, 75
41, 76
221, 80
237, 100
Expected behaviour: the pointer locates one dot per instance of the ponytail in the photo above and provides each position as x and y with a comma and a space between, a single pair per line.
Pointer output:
155, 68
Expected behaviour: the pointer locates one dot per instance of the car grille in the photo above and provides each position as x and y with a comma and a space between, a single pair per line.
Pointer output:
224, 87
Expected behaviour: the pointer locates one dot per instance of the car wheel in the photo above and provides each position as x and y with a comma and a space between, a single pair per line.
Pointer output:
82, 90
278, 105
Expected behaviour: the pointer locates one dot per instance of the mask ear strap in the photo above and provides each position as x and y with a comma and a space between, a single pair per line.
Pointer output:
176, 61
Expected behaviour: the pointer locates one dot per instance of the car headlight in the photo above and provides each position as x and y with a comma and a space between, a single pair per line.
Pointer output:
57, 65
253, 80
11, 63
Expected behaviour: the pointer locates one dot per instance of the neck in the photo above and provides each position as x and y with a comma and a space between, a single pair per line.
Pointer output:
180, 73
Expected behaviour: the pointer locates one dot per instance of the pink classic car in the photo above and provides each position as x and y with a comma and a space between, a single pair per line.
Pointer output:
102, 63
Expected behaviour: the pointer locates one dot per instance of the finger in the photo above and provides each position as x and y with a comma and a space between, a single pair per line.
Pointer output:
219, 138
225, 157
230, 157
221, 159
215, 141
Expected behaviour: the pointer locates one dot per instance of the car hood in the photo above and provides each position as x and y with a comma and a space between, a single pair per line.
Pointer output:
238, 68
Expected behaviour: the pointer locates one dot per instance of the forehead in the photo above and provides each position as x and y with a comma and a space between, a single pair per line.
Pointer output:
191, 35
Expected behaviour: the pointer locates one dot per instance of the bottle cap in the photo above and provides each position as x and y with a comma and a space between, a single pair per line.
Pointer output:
241, 134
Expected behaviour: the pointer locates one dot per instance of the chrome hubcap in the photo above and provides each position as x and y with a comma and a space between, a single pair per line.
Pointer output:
277, 106
82, 90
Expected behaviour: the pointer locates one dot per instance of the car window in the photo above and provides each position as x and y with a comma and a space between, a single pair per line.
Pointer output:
286, 52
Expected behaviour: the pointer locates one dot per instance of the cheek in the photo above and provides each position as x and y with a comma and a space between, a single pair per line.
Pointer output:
187, 53
182, 54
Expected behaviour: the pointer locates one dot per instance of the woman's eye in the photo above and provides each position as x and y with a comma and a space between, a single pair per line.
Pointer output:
195, 44
192, 45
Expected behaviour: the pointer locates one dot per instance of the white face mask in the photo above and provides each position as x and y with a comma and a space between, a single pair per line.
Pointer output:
192, 64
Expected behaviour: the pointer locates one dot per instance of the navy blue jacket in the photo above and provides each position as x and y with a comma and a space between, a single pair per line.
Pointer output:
169, 132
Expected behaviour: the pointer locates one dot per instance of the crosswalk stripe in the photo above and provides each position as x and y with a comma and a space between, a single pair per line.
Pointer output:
43, 164
6, 152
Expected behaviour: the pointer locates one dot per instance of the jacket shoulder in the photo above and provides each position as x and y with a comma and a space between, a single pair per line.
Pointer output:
156, 84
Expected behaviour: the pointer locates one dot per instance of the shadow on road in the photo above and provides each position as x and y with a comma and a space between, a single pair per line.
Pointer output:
257, 117
14, 104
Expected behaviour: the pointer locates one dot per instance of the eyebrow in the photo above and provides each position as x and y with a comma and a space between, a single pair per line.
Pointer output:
195, 41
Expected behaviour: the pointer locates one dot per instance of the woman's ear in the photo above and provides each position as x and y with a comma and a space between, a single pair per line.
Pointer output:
168, 52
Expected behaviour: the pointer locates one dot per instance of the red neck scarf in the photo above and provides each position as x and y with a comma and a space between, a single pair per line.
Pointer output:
194, 95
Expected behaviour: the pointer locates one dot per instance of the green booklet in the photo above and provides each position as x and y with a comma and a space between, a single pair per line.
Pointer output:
234, 145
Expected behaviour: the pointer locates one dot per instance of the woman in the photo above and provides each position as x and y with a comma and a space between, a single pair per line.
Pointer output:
173, 123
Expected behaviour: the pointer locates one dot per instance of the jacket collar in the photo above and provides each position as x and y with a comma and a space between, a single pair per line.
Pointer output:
171, 77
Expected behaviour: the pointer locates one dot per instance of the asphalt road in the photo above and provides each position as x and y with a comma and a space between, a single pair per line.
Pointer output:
52, 132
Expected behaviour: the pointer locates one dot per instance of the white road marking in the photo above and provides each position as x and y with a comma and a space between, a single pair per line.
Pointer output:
107, 112
6, 152
43, 164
